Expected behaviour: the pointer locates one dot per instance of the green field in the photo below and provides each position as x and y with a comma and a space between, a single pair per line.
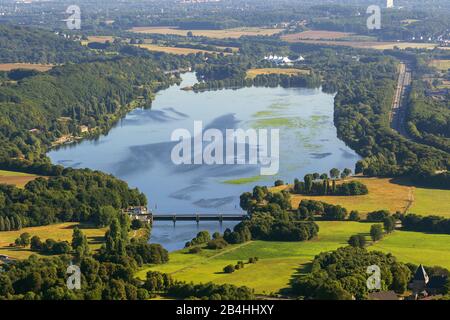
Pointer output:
278, 261
431, 202
417, 247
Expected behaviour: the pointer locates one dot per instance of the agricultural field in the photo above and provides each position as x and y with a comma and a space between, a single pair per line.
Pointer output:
383, 194
28, 66
282, 259
417, 247
387, 194
377, 45
58, 232
219, 34
174, 50
316, 35
100, 39
252, 73
17, 179
442, 65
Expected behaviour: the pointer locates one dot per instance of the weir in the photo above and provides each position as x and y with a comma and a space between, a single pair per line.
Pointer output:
197, 217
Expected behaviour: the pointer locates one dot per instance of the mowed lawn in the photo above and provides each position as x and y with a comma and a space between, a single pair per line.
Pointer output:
58, 232
278, 261
17, 179
417, 247
220, 34
252, 73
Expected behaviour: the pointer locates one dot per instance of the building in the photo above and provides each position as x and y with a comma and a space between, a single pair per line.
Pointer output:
383, 295
140, 213
419, 281
389, 4
84, 129
423, 286
280, 60
5, 259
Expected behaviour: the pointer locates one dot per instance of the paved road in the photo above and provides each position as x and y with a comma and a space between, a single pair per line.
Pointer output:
397, 116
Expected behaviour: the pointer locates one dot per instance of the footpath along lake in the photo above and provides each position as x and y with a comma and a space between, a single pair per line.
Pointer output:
138, 150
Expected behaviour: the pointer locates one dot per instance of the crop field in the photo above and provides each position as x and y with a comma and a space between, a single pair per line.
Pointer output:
252, 73
378, 45
443, 65
58, 232
278, 261
219, 34
28, 66
17, 179
174, 50
316, 35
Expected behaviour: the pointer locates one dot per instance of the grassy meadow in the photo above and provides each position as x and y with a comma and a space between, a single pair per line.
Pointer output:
431, 202
278, 261
252, 73
58, 232
174, 50
388, 194
17, 179
383, 194
417, 247
28, 66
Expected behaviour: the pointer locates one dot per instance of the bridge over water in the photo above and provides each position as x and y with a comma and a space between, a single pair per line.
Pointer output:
197, 217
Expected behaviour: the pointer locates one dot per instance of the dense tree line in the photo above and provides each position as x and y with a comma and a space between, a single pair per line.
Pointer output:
307, 209
107, 274
33, 45
342, 275
271, 219
428, 118
75, 195
362, 106
42, 108
312, 185
432, 224
162, 283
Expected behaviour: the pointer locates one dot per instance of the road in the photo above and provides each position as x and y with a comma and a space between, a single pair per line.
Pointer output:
397, 116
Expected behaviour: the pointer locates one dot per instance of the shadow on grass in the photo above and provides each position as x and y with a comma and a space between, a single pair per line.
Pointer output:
96, 240
408, 183
302, 270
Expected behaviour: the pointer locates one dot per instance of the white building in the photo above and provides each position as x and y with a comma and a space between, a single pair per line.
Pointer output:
279, 60
389, 3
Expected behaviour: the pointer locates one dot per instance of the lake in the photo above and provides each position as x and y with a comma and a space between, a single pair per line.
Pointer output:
138, 150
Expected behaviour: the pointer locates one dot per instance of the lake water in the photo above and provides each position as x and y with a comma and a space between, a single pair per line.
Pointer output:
138, 150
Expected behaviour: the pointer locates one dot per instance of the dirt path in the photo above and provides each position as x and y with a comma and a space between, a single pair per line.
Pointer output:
410, 200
